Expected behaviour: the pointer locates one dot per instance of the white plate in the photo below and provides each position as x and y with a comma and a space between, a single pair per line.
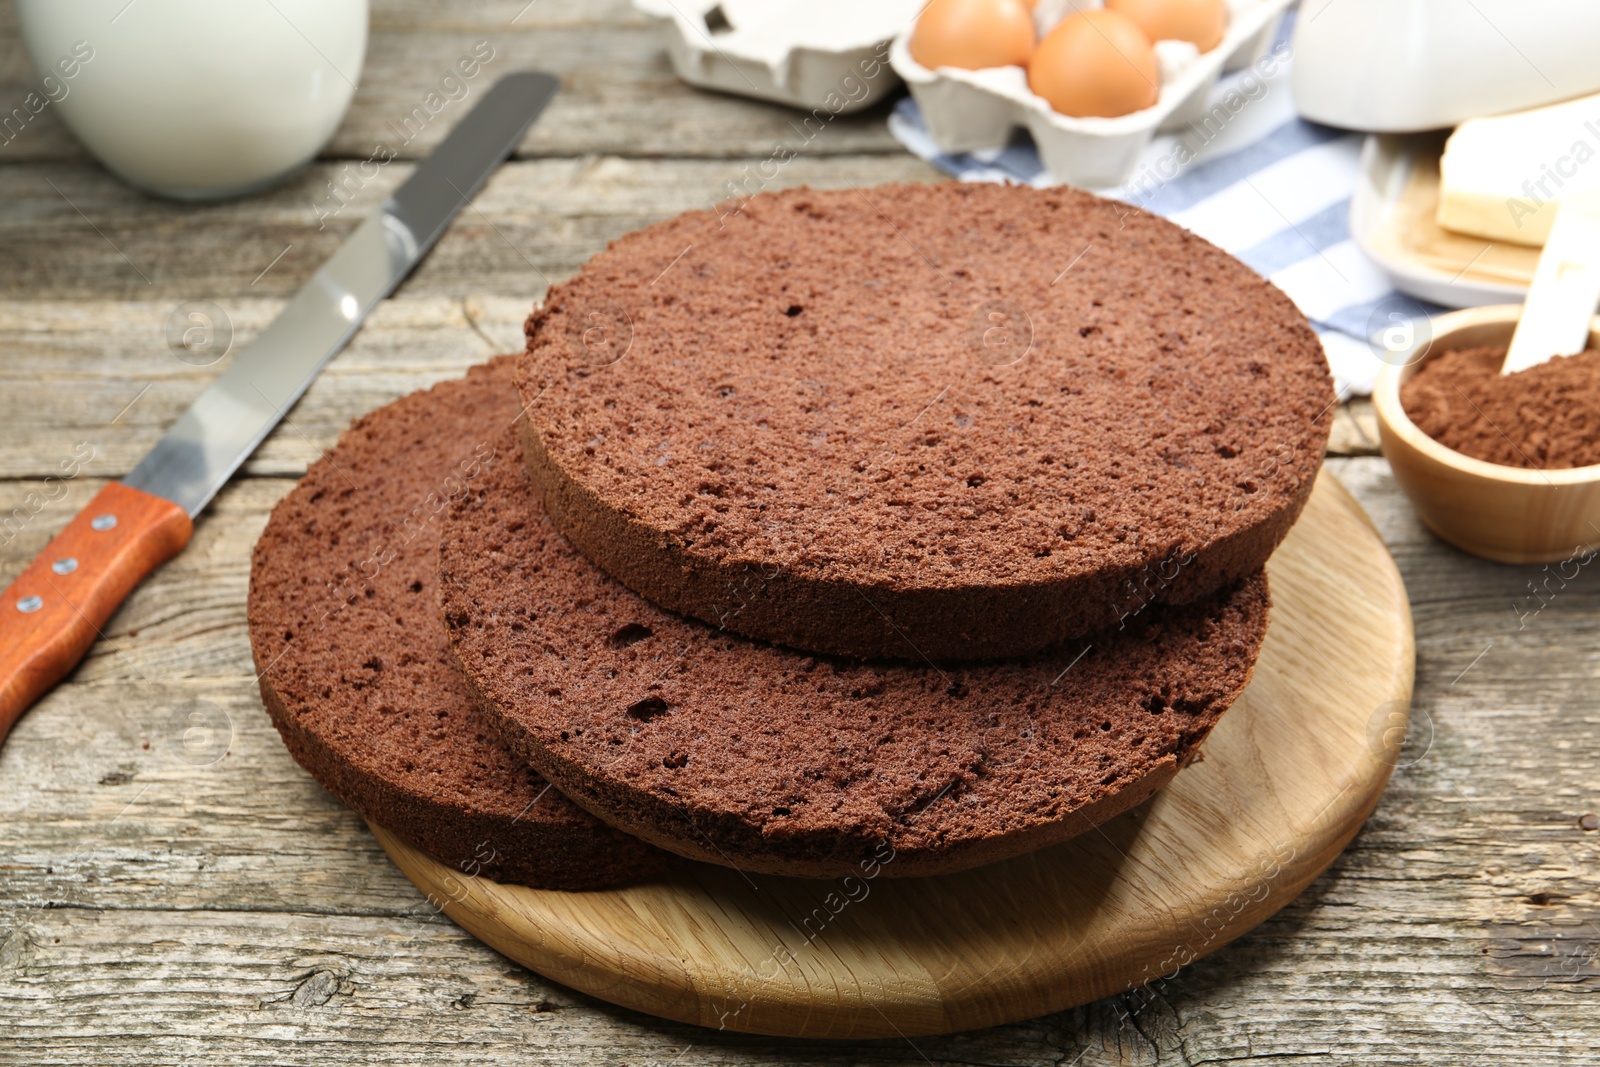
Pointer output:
1379, 224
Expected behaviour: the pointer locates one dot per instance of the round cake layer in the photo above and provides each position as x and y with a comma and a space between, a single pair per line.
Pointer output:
922, 422
355, 669
753, 756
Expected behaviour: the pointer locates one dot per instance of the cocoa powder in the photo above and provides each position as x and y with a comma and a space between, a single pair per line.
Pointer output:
1544, 418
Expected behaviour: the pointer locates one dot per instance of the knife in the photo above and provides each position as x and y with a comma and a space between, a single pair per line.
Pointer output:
52, 613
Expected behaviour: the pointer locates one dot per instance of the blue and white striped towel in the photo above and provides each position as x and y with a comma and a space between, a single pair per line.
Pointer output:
1270, 188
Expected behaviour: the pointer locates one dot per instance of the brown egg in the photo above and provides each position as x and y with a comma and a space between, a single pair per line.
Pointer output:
1200, 22
973, 34
1095, 63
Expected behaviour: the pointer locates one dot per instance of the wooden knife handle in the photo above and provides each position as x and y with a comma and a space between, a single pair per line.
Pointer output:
54, 611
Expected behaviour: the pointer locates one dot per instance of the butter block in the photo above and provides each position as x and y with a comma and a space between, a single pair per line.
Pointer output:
1503, 178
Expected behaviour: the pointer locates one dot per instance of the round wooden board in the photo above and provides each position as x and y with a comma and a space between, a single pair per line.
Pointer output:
1284, 782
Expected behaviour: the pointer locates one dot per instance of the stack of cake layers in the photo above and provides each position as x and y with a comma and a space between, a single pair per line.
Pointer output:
922, 524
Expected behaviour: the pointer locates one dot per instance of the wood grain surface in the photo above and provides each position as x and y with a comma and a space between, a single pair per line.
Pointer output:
173, 889
1284, 781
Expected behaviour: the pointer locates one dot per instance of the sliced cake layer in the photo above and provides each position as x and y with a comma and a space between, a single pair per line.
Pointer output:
355, 669
947, 421
745, 754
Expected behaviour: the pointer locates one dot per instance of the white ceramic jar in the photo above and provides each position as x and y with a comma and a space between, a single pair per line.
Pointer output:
198, 99
1401, 66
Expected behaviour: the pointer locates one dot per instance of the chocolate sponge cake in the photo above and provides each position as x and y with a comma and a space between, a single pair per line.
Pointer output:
746, 754
949, 421
355, 669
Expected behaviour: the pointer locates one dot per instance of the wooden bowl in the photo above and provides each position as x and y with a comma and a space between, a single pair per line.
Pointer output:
1507, 514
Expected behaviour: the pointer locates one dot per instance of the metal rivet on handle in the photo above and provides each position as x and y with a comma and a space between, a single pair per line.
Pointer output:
29, 604
103, 522
64, 566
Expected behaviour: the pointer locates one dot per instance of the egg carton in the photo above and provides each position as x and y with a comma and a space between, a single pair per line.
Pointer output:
809, 54
978, 110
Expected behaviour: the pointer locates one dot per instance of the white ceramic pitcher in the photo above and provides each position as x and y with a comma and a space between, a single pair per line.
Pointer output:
198, 99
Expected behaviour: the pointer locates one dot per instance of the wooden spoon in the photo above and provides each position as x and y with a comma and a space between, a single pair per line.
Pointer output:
1566, 287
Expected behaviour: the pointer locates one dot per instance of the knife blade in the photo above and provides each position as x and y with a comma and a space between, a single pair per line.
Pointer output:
52, 613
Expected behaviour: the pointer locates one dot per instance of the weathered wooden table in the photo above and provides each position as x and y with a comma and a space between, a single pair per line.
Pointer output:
175, 889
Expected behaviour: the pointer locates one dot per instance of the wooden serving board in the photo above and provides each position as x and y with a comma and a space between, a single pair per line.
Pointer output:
1286, 779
